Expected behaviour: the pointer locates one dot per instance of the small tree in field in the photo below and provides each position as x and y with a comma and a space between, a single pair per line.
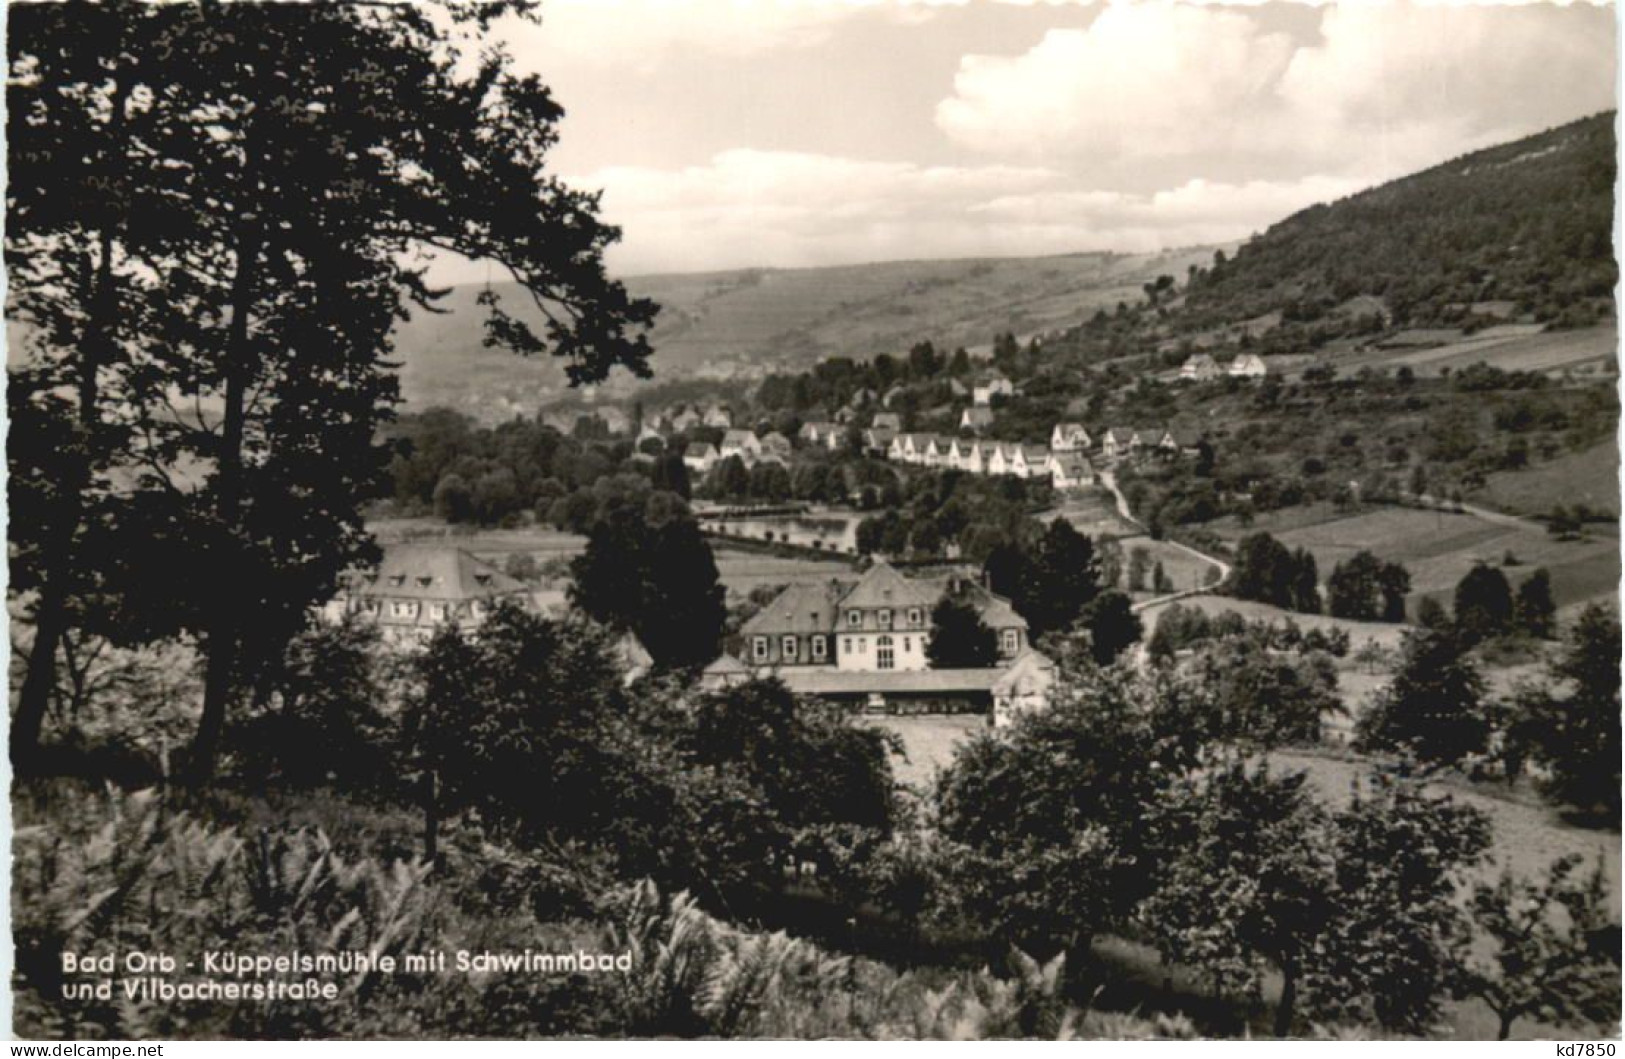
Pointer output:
959, 638
1434, 708
1393, 950
1573, 724
1249, 886
1556, 949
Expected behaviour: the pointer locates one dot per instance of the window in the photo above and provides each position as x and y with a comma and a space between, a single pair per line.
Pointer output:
848, 647
883, 653
853, 619
885, 619
760, 647
1012, 640
437, 611
908, 645
789, 643
914, 616
399, 609
818, 647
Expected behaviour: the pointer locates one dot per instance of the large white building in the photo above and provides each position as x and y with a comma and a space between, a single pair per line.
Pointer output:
879, 624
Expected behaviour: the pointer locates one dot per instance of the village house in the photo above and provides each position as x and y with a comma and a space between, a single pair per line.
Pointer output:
990, 385
776, 444
1024, 687
1248, 366
1070, 437
937, 450
1199, 367
685, 420
878, 440
977, 419
719, 416
418, 588
882, 623
1117, 443
1071, 470
818, 433
741, 443
700, 457
649, 433
1180, 441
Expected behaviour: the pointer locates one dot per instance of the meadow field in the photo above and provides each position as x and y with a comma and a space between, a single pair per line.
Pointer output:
1589, 477
1439, 547
1512, 347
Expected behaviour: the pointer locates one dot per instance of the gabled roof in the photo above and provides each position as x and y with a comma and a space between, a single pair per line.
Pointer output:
1031, 667
434, 572
1067, 430
883, 586
1035, 453
1120, 434
978, 415
802, 609
888, 419
700, 450
739, 437
1073, 464
727, 665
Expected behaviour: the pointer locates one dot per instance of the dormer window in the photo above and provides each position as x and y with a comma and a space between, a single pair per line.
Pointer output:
885, 619
483, 579
854, 619
397, 580
425, 581
914, 616
759, 646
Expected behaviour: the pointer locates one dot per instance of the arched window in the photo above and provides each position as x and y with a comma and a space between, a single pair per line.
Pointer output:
884, 656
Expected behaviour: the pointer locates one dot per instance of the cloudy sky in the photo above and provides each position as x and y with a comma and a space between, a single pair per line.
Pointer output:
726, 133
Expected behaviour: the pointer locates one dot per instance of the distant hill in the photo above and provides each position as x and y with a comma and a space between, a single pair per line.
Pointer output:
1523, 229
751, 320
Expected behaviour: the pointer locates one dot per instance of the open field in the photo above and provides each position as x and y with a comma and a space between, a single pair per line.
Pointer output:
929, 743
1528, 835
1513, 347
742, 571
1092, 513
1438, 548
1590, 477
1184, 570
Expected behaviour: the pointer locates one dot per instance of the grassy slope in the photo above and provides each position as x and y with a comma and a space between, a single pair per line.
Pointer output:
787, 318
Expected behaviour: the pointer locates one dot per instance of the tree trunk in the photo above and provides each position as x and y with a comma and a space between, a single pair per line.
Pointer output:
224, 624
51, 613
1289, 1000
1507, 1019
431, 817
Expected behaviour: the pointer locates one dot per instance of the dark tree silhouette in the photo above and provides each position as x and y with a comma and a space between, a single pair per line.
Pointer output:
959, 638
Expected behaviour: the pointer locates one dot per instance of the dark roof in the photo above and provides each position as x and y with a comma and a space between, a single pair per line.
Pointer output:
803, 609
434, 572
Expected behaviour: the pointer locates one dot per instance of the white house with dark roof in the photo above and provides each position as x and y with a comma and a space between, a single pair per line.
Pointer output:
700, 457
1199, 367
990, 385
881, 623
1070, 437
417, 588
1248, 366
1071, 470
977, 419
741, 443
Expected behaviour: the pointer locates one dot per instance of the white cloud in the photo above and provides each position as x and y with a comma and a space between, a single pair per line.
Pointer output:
1184, 89
640, 34
791, 209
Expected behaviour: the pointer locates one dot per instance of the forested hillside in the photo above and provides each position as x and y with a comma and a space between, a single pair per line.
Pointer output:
1518, 229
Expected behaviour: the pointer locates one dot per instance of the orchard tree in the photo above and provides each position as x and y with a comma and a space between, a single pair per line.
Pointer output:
1435, 707
1249, 885
1392, 951
1535, 611
1555, 952
1483, 604
1573, 725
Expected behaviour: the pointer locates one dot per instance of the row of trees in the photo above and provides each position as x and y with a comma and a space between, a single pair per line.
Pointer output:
1135, 806
215, 218
1438, 711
